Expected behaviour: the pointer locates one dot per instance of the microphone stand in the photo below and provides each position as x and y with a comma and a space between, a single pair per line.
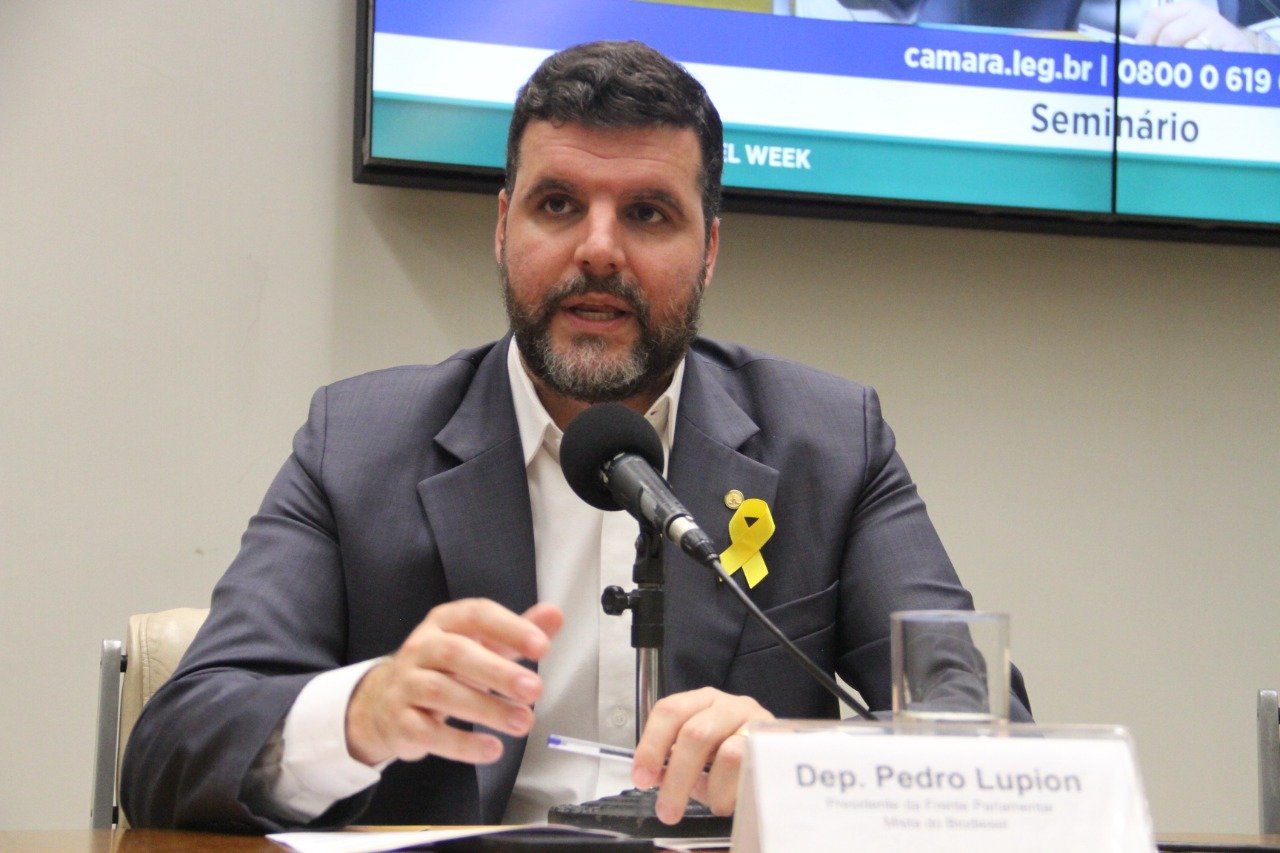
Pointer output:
646, 603
632, 811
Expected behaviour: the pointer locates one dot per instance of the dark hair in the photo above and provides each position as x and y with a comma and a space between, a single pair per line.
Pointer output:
621, 84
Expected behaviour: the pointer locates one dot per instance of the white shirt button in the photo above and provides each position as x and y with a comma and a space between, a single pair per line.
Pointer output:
619, 717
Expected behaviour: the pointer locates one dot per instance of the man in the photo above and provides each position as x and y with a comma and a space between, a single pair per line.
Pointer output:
364, 654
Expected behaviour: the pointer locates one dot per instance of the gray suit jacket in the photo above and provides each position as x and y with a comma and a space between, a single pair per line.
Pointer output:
407, 488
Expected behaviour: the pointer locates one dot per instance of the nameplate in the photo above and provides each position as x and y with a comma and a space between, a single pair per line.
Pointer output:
929, 787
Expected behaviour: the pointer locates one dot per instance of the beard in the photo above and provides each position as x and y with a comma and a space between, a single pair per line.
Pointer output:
583, 369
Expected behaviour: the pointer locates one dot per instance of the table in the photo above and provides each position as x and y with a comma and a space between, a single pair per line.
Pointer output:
173, 841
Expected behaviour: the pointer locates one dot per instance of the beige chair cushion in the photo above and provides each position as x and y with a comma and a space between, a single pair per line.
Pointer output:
153, 649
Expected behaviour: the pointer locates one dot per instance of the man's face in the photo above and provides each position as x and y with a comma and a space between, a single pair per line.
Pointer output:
604, 256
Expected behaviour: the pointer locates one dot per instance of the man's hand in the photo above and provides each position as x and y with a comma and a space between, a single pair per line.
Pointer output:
686, 732
1188, 24
459, 663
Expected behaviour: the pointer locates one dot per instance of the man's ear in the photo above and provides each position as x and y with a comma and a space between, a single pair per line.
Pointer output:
500, 231
713, 249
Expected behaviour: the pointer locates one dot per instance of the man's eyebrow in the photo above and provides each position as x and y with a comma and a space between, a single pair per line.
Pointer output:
659, 195
549, 185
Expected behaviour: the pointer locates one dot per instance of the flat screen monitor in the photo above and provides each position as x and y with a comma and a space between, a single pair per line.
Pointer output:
1126, 117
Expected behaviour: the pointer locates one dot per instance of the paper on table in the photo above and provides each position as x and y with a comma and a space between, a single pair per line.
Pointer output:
367, 842
364, 841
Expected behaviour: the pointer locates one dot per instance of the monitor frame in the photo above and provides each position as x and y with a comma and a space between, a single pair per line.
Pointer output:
367, 169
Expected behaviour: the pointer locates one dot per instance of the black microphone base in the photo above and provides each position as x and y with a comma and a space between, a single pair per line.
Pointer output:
633, 812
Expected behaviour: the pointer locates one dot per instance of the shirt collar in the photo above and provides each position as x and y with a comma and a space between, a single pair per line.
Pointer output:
538, 430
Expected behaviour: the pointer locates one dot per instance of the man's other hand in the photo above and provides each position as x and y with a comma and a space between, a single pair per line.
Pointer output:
460, 663
1188, 24
686, 732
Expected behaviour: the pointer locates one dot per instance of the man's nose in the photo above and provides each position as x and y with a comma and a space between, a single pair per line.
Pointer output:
600, 249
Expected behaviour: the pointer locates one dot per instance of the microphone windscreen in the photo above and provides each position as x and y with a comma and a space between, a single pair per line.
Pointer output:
597, 435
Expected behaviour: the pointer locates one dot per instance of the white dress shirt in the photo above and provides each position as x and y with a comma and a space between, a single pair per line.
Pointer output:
588, 674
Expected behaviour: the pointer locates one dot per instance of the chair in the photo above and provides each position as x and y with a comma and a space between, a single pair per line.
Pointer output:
128, 675
1268, 762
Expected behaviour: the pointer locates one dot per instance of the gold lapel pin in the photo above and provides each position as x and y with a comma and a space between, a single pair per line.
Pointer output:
733, 499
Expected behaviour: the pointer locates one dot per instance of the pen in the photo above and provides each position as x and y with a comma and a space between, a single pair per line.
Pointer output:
590, 747
596, 750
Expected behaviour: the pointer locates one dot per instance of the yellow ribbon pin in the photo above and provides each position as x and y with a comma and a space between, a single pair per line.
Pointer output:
751, 526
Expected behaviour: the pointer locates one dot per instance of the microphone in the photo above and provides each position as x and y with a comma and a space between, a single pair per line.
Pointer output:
611, 457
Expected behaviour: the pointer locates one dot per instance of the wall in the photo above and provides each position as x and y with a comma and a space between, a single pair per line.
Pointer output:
1093, 422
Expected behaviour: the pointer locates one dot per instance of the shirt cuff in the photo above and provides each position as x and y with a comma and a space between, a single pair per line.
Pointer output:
316, 770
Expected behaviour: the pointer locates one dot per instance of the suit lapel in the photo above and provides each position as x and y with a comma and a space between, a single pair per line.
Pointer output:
478, 511
705, 620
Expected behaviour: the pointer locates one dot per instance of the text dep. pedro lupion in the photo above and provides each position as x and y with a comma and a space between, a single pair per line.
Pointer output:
887, 777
